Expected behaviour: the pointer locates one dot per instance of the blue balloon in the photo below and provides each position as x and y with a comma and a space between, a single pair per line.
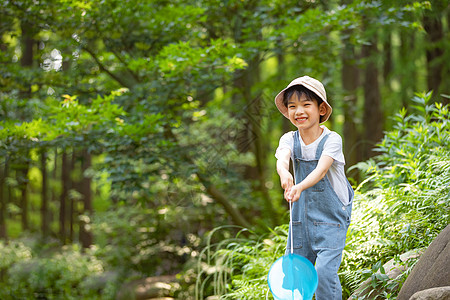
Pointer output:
292, 277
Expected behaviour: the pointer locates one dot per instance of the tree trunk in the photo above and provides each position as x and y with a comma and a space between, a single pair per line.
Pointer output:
234, 213
26, 60
407, 72
3, 232
251, 136
24, 202
9, 189
55, 177
387, 49
286, 125
350, 83
44, 193
73, 213
86, 238
3, 202
65, 177
22, 180
203, 176
434, 53
373, 116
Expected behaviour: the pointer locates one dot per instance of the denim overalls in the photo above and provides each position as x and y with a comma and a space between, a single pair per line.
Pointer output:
319, 224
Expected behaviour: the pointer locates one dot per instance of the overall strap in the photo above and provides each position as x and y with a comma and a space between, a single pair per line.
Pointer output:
297, 146
320, 147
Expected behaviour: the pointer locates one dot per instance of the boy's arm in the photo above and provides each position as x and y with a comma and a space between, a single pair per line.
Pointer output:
287, 181
314, 177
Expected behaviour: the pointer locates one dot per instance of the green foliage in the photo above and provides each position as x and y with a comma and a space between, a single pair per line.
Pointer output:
236, 268
409, 179
131, 242
404, 203
135, 240
12, 253
65, 122
68, 274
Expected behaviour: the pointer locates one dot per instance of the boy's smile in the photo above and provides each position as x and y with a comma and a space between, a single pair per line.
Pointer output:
301, 120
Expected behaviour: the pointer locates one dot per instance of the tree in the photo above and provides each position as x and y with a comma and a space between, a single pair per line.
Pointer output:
433, 25
3, 202
64, 196
373, 116
86, 237
45, 226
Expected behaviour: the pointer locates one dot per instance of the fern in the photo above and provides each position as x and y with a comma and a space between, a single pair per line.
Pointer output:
240, 265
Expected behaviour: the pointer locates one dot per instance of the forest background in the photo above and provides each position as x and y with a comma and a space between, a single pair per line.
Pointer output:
131, 129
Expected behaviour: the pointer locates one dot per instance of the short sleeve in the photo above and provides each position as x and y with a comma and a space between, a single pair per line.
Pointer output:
286, 142
333, 148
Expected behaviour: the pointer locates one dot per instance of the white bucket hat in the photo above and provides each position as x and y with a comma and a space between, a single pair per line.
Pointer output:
311, 84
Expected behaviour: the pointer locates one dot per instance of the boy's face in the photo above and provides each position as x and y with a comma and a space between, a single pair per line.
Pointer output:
305, 113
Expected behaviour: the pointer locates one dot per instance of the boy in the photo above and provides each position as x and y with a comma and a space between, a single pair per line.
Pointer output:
322, 196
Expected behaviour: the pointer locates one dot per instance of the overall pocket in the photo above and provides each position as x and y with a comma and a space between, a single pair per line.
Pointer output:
329, 235
319, 186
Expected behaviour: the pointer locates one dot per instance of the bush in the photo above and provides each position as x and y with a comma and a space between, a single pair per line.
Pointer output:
141, 242
58, 277
12, 253
404, 202
236, 268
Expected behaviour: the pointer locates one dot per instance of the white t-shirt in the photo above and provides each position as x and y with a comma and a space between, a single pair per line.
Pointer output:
331, 148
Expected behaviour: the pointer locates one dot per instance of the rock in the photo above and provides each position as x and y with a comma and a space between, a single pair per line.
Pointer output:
432, 270
392, 271
439, 293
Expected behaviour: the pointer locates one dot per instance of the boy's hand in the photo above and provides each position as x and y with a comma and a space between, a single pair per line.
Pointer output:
286, 179
314, 177
293, 194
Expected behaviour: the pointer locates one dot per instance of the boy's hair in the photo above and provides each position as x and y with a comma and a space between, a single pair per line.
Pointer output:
300, 90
